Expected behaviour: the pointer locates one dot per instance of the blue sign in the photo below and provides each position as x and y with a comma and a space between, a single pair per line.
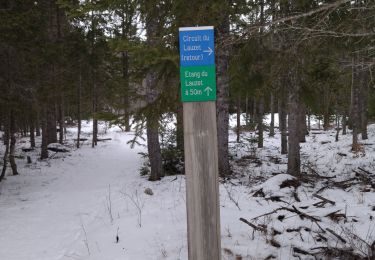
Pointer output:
197, 60
197, 46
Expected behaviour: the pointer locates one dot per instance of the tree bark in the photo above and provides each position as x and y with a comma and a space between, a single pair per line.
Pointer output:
79, 95
12, 148
326, 115
44, 147
1, 119
282, 123
272, 108
126, 23
61, 119
344, 124
32, 131
51, 123
253, 111
180, 128
238, 110
94, 116
247, 110
337, 128
222, 102
355, 106
309, 120
37, 124
152, 93
260, 121
364, 102
125, 75
153, 144
6, 119
154, 152
302, 123
294, 161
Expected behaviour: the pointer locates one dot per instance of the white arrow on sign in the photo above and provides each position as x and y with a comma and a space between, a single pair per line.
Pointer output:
210, 51
207, 90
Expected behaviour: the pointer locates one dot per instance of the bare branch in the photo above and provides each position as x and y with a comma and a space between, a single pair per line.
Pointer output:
299, 16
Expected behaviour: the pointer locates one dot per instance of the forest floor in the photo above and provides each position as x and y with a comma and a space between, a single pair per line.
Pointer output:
93, 204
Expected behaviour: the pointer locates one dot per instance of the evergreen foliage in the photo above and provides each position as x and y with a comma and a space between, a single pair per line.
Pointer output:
91, 60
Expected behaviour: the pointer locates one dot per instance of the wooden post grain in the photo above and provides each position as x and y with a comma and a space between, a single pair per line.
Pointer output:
202, 185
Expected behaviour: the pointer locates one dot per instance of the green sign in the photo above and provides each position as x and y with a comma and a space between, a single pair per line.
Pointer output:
198, 83
197, 64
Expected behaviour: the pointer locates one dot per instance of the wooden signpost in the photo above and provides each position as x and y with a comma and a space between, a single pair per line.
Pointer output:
198, 94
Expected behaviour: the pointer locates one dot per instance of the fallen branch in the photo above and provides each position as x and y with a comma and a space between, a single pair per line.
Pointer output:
321, 237
80, 139
289, 230
323, 202
340, 253
235, 202
300, 251
370, 173
258, 228
103, 139
301, 214
58, 150
336, 235
363, 176
27, 150
259, 193
336, 216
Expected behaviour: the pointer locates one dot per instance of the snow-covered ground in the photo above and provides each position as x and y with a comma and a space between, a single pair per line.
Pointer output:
93, 204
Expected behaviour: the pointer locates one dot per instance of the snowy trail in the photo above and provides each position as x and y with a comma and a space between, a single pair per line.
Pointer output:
75, 207
44, 214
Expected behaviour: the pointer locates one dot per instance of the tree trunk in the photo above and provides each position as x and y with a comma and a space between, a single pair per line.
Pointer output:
326, 115
302, 123
126, 24
23, 128
344, 124
12, 148
44, 147
153, 144
79, 94
253, 111
6, 119
364, 102
337, 128
1, 119
294, 161
154, 151
260, 121
355, 106
51, 123
238, 128
37, 124
152, 93
94, 116
32, 131
247, 110
309, 120
180, 128
125, 75
282, 124
222, 102
94, 132
272, 108
61, 119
